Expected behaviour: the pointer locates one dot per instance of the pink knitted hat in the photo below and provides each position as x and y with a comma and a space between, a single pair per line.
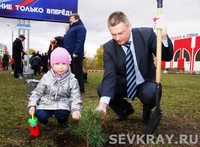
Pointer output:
60, 55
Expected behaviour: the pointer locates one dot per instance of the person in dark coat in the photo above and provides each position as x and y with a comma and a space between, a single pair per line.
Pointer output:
5, 60
35, 64
44, 60
17, 52
56, 42
74, 41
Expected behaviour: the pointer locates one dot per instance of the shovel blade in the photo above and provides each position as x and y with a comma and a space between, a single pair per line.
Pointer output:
154, 121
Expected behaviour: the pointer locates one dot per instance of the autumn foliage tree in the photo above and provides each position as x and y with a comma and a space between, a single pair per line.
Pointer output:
31, 51
88, 62
98, 58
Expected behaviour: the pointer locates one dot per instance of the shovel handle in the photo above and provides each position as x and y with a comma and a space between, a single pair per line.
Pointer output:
159, 44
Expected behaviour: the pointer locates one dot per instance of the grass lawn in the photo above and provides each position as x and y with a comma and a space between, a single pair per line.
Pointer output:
181, 115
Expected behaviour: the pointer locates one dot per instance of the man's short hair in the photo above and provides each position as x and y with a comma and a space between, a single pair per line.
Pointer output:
75, 15
116, 18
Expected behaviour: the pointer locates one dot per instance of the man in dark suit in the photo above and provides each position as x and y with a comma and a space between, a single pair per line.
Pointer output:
113, 89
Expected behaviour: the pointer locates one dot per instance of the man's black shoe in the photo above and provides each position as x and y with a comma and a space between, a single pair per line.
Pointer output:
124, 115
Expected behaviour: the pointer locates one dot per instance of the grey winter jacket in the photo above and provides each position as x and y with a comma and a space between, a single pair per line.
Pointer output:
52, 93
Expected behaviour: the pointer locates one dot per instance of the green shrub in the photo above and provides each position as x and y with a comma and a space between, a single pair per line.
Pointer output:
89, 127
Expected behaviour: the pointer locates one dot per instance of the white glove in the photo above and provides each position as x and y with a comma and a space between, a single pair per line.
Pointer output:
161, 22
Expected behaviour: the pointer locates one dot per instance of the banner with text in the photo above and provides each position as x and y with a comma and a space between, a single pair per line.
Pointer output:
46, 10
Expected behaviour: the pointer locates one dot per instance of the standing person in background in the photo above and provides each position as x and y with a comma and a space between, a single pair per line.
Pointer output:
44, 60
5, 60
138, 46
74, 41
36, 63
17, 51
56, 42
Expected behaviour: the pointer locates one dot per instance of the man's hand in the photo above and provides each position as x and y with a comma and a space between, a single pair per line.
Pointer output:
102, 108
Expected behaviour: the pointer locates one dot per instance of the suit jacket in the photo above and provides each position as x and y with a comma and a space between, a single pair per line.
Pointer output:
144, 40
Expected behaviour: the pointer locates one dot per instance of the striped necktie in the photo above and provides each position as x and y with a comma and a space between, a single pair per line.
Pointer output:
130, 73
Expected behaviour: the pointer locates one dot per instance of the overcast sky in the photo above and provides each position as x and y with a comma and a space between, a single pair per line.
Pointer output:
183, 17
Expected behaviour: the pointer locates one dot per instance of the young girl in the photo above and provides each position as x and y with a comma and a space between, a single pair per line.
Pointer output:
58, 92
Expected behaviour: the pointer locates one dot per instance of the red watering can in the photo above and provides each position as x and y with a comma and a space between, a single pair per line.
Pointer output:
34, 126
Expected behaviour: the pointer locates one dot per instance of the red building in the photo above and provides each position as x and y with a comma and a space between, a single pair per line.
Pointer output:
186, 55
